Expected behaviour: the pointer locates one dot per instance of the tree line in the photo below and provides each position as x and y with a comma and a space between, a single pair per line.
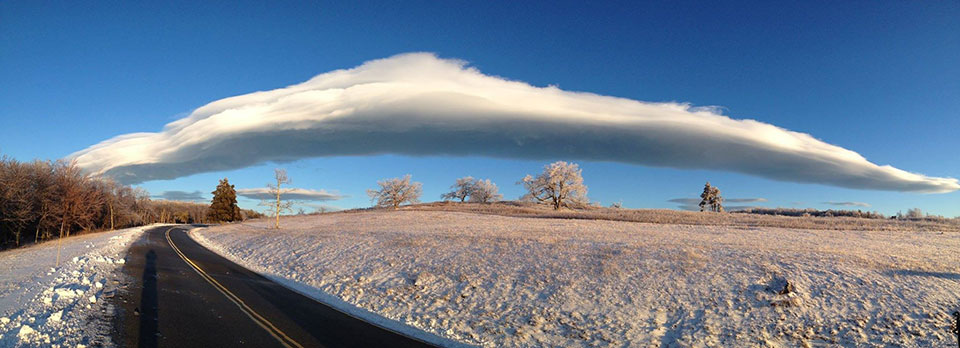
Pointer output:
43, 200
560, 185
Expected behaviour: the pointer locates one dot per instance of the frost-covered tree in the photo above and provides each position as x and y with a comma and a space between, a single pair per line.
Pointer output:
711, 199
460, 190
914, 213
485, 191
560, 185
396, 191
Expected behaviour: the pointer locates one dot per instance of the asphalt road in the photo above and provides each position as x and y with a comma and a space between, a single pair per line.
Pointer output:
182, 295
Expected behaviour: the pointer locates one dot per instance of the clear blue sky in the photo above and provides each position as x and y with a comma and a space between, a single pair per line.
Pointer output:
879, 78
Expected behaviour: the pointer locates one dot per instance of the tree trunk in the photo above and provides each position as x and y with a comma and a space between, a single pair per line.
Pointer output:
60, 240
111, 216
277, 224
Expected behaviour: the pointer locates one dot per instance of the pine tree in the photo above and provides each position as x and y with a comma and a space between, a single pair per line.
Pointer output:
705, 196
711, 198
224, 206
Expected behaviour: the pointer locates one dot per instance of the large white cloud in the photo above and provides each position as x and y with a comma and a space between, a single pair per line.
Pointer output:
417, 104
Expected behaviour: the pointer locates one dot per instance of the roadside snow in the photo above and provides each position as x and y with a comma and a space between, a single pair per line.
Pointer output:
44, 305
503, 281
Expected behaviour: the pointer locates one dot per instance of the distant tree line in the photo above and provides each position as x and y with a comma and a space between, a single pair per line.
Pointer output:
560, 185
43, 200
813, 212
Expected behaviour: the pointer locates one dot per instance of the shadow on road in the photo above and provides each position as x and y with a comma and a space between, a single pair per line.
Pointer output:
148, 303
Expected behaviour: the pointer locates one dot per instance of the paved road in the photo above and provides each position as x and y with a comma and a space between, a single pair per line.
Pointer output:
182, 295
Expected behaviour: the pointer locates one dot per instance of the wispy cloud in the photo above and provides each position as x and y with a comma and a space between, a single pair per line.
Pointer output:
688, 201
745, 200
418, 104
322, 207
181, 196
297, 194
848, 204
726, 208
693, 204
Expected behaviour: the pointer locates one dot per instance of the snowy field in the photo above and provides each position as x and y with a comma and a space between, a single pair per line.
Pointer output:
510, 281
65, 306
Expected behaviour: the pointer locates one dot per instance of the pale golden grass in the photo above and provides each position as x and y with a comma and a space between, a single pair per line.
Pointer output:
666, 216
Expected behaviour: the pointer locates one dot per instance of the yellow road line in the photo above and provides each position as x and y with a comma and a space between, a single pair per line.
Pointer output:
285, 340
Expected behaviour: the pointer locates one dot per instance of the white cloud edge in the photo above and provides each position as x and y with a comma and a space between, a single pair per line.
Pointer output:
416, 104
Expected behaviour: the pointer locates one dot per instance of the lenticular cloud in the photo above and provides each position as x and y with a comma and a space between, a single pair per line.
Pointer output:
298, 194
418, 104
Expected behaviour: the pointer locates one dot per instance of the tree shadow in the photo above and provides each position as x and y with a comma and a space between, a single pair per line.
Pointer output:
910, 272
148, 303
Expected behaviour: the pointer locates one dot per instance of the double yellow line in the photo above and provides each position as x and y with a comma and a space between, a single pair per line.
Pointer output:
285, 340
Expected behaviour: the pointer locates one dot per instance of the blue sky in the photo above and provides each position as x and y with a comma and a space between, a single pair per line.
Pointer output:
877, 78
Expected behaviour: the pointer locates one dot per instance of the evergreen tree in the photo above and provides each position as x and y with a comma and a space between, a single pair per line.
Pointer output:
711, 198
224, 206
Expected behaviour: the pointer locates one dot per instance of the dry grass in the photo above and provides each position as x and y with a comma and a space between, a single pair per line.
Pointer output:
467, 272
666, 216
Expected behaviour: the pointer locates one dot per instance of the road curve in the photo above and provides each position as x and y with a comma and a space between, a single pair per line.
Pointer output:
182, 295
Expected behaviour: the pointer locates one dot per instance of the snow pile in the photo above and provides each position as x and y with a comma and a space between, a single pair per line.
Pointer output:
506, 281
43, 305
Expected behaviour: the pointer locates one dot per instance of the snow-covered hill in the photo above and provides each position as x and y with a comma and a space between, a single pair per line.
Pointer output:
44, 305
507, 281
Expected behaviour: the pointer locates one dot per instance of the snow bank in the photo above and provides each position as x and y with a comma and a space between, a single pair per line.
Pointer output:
44, 305
506, 281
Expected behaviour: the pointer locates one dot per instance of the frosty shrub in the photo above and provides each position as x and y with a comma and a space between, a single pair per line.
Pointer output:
560, 185
485, 191
396, 191
460, 190
914, 213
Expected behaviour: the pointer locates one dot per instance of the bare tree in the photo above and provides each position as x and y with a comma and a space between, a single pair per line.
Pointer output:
43, 177
462, 189
484, 191
560, 185
396, 191
79, 202
276, 190
16, 199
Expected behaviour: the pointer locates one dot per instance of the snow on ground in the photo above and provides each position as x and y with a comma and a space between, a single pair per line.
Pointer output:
506, 281
44, 305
